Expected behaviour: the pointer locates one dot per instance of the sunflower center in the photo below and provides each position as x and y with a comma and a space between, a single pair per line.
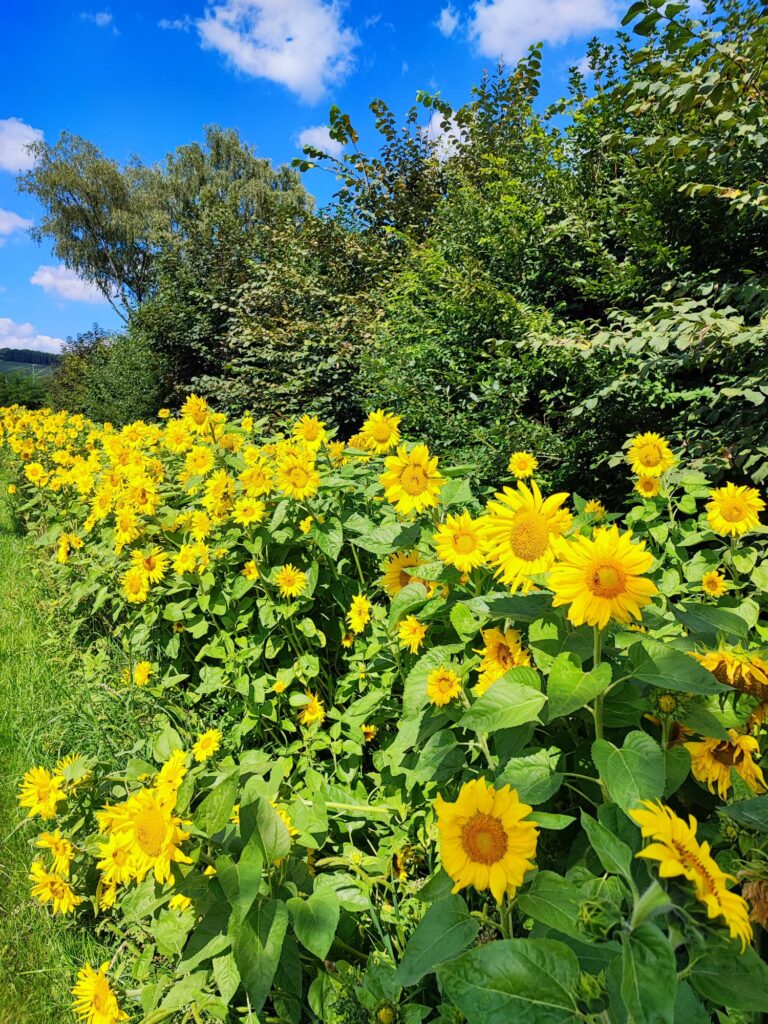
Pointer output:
413, 480
484, 839
689, 859
607, 579
649, 455
732, 511
464, 543
529, 536
150, 831
725, 754
445, 683
298, 476
503, 656
381, 432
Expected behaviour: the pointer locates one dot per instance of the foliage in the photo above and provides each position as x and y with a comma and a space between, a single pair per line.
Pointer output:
251, 585
23, 389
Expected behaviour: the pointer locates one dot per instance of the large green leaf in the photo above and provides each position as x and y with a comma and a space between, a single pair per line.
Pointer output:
256, 944
633, 772
446, 929
553, 901
614, 855
329, 537
528, 981
216, 809
511, 700
315, 920
259, 818
708, 620
534, 776
730, 978
406, 601
753, 813
648, 976
658, 664
569, 687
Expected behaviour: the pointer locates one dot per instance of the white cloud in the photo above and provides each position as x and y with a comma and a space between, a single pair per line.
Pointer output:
65, 284
13, 335
15, 136
583, 66
448, 21
10, 222
180, 24
101, 19
508, 27
320, 138
446, 139
301, 44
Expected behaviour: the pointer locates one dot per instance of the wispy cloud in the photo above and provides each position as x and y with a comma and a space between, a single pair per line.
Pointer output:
64, 283
448, 21
319, 137
301, 44
13, 335
101, 19
10, 222
15, 136
508, 27
179, 24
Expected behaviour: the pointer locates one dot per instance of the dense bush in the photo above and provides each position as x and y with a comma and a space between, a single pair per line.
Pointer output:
400, 755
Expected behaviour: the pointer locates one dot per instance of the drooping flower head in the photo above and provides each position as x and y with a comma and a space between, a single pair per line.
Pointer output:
712, 760
486, 839
745, 671
733, 511
601, 577
680, 855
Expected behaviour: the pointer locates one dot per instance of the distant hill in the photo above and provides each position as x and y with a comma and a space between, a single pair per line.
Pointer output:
24, 362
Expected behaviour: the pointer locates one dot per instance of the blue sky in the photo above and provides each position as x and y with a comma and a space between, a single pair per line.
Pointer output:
142, 77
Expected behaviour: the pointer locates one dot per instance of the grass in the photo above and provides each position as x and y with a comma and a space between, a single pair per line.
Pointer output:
25, 369
41, 697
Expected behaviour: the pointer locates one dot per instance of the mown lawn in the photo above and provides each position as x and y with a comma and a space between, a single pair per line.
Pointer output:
40, 719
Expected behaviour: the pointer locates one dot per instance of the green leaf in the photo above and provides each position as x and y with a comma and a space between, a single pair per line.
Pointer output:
170, 930
216, 809
511, 700
570, 688
752, 813
677, 765
528, 981
613, 854
415, 690
633, 773
226, 976
554, 901
258, 817
730, 978
658, 664
329, 537
256, 945
446, 929
315, 920
648, 976
241, 881
534, 776
554, 822
406, 601
709, 620
456, 492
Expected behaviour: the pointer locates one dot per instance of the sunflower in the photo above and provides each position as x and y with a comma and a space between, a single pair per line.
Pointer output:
116, 862
179, 902
94, 1000
369, 732
170, 777
50, 888
502, 651
680, 854
257, 479
196, 414
40, 792
126, 528
519, 529
155, 833
186, 560
207, 744
313, 711
650, 455
251, 570
199, 461
714, 583
458, 542
747, 673
359, 614
395, 577
522, 464
411, 481
595, 508
290, 581
61, 849
305, 525
600, 577
297, 476
310, 430
248, 511
200, 524
712, 760
153, 563
135, 585
733, 510
381, 431
411, 633
647, 486
142, 672
485, 839
443, 686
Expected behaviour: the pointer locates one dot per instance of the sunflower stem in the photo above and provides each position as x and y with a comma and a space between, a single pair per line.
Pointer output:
505, 913
600, 698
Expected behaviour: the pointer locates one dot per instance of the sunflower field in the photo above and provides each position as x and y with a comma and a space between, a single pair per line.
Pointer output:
403, 752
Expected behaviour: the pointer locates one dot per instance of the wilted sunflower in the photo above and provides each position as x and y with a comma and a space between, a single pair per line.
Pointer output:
411, 481
679, 853
649, 455
94, 1000
458, 542
519, 529
600, 577
747, 673
485, 839
712, 760
733, 510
